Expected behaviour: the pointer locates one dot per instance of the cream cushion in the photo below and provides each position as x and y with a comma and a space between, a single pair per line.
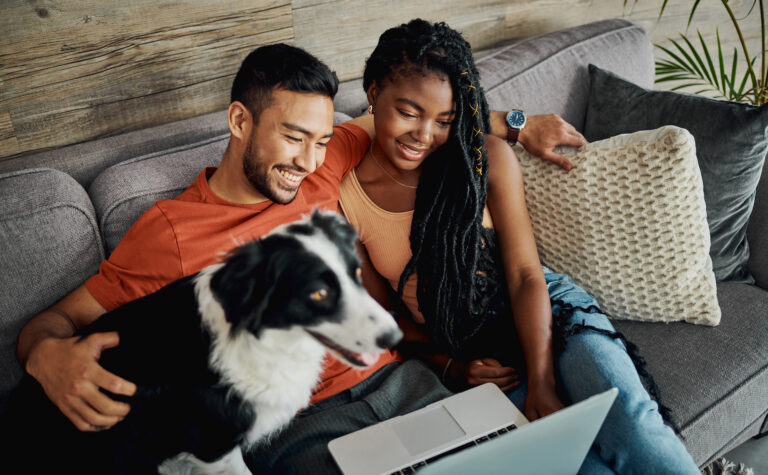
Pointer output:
628, 224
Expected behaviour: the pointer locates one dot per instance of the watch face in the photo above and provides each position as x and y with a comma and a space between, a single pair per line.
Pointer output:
516, 119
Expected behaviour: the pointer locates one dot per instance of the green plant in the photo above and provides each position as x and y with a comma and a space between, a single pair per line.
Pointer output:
696, 68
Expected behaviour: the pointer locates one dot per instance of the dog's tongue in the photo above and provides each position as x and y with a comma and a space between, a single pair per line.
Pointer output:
369, 358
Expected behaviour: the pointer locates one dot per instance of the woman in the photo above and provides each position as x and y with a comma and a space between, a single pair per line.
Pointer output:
479, 302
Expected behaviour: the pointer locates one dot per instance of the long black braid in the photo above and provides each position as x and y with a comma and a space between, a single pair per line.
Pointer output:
446, 234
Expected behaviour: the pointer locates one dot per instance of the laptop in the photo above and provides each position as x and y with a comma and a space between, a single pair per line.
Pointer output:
475, 431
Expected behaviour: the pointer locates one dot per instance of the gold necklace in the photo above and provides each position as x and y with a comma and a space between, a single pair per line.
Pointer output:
370, 150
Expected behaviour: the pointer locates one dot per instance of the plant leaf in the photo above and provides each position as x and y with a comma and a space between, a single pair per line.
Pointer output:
699, 61
709, 60
680, 61
693, 10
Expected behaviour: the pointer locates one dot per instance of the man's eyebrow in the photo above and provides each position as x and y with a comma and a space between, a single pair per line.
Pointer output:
302, 130
421, 109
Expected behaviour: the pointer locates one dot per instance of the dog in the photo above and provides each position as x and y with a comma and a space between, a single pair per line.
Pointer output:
222, 359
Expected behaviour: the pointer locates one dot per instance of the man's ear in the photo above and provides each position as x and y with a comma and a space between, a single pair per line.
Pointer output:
242, 287
239, 120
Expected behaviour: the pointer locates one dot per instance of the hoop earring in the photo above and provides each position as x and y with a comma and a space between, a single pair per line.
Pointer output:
370, 109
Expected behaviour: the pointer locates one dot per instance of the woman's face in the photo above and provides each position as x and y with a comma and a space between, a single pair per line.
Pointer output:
412, 116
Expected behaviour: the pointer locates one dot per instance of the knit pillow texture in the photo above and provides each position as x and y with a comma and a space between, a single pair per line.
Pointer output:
628, 223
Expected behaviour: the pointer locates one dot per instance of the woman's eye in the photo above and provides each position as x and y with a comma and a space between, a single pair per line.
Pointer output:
406, 115
293, 139
319, 294
445, 124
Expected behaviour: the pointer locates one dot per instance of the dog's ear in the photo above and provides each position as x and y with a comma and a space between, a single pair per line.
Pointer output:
242, 287
335, 227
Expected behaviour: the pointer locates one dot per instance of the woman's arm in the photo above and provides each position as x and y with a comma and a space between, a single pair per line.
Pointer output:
525, 280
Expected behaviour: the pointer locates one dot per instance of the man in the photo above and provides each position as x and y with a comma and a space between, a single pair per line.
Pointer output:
279, 164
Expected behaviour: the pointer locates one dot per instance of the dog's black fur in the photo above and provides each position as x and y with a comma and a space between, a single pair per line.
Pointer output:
182, 403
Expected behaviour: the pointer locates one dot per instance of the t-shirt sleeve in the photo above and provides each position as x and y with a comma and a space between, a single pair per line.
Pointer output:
144, 261
345, 149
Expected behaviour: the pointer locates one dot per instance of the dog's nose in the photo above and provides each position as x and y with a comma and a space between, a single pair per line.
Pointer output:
389, 339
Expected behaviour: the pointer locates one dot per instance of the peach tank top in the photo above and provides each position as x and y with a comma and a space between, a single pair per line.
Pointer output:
384, 234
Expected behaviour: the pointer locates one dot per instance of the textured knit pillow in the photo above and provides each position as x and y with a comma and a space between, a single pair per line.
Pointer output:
731, 142
628, 224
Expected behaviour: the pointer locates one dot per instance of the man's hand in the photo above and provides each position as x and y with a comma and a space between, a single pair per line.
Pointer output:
69, 372
489, 370
542, 133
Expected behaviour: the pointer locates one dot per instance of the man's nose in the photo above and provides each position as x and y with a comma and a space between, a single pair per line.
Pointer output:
307, 158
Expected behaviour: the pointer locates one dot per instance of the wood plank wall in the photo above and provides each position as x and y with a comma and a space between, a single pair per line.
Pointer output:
77, 70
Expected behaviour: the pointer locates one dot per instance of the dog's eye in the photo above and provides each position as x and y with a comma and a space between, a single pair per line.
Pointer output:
359, 273
319, 294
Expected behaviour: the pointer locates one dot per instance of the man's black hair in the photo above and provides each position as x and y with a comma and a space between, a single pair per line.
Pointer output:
280, 66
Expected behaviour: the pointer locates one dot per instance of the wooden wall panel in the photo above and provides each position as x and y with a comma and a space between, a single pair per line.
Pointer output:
73, 71
76, 70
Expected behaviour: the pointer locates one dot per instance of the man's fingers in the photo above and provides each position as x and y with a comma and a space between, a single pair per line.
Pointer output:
103, 341
88, 419
113, 383
558, 160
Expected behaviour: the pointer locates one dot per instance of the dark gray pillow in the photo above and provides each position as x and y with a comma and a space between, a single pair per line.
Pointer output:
731, 144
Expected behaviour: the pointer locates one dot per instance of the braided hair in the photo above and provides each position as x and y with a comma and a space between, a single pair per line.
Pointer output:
447, 238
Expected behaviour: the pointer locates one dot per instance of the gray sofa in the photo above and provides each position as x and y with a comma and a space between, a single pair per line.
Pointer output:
64, 210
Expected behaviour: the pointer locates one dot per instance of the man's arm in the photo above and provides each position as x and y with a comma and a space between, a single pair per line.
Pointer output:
541, 134
67, 367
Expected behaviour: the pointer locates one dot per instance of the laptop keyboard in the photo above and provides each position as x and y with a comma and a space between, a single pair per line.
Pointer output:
416, 466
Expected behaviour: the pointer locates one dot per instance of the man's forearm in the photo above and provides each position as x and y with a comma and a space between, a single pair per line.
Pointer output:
499, 124
50, 323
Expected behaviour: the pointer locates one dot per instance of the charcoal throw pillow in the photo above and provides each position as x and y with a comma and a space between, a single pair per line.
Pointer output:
628, 224
731, 145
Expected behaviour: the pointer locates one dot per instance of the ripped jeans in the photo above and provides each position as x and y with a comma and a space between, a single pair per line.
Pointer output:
633, 438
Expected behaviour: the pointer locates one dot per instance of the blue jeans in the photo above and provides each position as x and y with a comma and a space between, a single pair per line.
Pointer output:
634, 438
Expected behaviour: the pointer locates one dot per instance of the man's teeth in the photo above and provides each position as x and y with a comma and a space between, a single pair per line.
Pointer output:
289, 175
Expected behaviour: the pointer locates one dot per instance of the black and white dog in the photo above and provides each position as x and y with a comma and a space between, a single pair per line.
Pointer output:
222, 359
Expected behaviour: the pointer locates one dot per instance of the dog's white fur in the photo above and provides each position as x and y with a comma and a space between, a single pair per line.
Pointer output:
277, 371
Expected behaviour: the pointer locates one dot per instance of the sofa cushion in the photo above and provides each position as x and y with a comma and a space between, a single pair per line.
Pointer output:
122, 192
731, 144
86, 160
548, 73
50, 244
714, 379
757, 232
628, 223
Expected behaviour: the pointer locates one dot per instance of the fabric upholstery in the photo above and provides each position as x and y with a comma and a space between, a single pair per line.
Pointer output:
757, 233
50, 244
548, 74
86, 160
731, 144
124, 191
715, 380
628, 223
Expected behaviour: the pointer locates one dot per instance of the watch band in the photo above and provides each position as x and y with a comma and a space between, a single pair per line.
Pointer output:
512, 135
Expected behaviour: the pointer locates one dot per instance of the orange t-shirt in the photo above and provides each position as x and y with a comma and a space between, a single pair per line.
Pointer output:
176, 238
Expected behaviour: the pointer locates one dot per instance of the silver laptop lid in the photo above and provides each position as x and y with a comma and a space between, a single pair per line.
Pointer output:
422, 434
555, 445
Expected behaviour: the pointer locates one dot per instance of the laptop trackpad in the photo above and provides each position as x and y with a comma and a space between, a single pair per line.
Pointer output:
424, 431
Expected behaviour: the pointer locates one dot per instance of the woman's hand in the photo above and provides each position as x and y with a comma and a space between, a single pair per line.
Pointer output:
484, 370
541, 401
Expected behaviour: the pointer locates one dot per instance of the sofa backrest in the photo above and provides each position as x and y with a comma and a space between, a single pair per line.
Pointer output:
757, 233
50, 245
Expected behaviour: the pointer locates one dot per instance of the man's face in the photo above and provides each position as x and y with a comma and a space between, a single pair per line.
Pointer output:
288, 143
